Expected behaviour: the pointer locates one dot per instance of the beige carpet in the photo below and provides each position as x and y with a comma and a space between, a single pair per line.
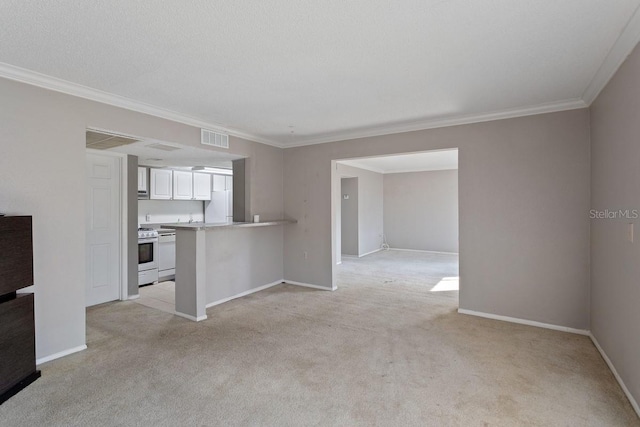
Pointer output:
382, 350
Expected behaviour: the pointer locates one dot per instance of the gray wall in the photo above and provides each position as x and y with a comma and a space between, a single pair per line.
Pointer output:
615, 269
42, 136
240, 208
421, 210
242, 259
349, 216
523, 195
132, 225
370, 207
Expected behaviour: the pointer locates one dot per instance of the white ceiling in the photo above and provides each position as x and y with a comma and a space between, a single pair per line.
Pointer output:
184, 156
414, 162
331, 69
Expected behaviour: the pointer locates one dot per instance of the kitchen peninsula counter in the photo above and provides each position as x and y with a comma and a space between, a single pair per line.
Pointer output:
225, 225
217, 262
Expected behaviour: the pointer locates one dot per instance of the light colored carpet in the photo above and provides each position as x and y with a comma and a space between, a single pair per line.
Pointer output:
382, 350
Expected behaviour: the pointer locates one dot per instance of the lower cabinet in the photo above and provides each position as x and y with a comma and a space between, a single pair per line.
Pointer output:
167, 256
17, 345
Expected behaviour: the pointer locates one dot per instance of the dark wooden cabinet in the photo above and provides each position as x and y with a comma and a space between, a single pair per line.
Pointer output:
17, 329
17, 341
16, 253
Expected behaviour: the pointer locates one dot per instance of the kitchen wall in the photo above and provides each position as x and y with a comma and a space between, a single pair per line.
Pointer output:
615, 165
421, 210
163, 211
523, 203
42, 136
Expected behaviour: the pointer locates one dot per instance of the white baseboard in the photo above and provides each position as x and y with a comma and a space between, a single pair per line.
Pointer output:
633, 402
524, 322
309, 285
369, 253
245, 293
188, 316
60, 354
419, 250
132, 297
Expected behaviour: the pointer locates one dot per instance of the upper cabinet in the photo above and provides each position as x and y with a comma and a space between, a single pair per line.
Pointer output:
182, 185
201, 186
142, 180
161, 184
168, 184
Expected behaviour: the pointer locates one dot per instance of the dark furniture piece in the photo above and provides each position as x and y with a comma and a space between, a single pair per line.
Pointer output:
17, 329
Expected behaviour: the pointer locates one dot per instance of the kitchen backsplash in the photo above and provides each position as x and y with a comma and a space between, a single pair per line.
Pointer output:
169, 211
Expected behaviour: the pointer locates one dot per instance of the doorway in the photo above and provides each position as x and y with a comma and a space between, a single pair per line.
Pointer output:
406, 222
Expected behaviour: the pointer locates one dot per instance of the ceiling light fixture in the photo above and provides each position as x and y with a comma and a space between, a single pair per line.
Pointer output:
163, 147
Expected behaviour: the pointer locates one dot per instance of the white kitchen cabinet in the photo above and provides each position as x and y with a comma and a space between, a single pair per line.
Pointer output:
201, 186
167, 256
161, 184
219, 183
182, 185
142, 179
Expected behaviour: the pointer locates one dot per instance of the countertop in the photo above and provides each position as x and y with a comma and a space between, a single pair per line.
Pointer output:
223, 225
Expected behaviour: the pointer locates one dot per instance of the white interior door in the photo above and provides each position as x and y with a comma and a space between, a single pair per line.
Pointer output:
102, 228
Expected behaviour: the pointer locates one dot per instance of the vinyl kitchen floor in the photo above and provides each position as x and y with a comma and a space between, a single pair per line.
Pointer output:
161, 296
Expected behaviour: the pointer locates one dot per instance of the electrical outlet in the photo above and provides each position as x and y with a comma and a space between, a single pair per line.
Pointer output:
147, 217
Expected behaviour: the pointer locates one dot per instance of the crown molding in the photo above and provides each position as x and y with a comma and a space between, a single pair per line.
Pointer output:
621, 49
11, 72
571, 104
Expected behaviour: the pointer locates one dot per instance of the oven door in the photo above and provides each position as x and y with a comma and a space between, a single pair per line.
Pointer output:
147, 254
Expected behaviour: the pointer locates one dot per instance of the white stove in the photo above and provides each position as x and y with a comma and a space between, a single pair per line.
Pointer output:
147, 256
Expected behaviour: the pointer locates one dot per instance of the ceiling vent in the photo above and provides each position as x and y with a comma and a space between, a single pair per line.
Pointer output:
214, 139
103, 141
